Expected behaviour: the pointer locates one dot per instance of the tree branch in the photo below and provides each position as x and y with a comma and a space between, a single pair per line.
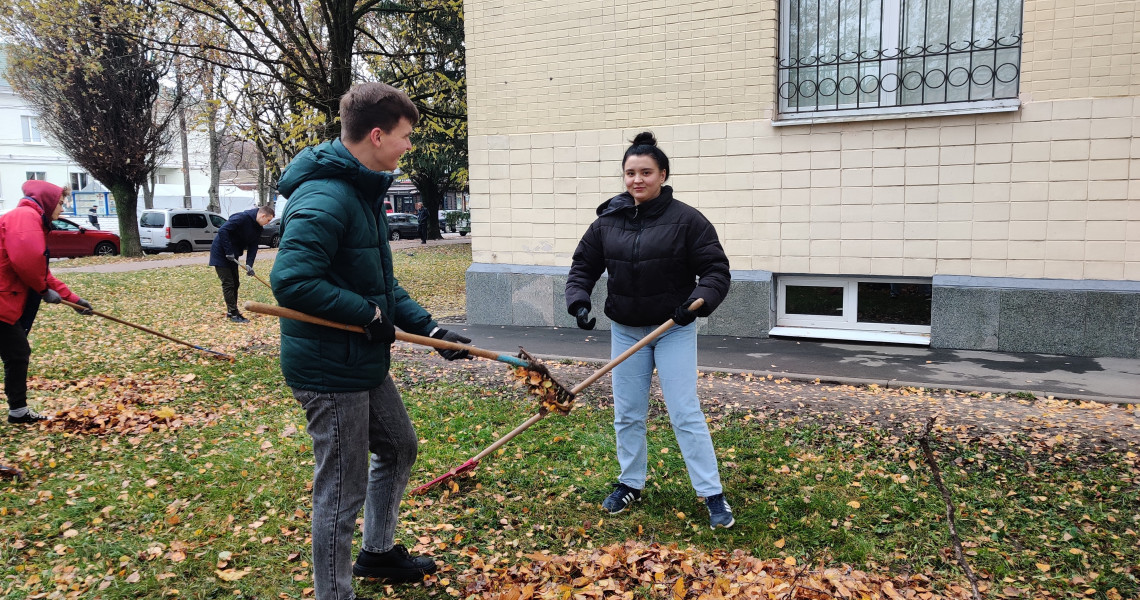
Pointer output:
936, 476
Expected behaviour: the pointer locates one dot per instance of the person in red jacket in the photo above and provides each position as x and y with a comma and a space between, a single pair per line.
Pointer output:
24, 280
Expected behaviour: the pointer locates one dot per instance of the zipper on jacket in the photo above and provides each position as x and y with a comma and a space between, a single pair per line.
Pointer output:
637, 247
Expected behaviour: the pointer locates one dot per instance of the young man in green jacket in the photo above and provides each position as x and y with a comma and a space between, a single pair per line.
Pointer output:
334, 262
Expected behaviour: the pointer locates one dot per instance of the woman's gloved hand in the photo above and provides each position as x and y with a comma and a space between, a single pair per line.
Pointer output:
582, 314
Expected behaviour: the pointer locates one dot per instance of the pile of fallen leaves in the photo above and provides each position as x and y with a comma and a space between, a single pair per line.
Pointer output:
628, 570
549, 394
132, 404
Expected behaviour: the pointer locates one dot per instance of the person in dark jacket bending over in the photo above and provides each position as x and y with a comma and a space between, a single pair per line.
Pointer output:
661, 255
334, 262
240, 233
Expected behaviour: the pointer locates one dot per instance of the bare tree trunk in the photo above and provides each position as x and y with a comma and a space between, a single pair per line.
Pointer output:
187, 201
127, 206
148, 191
215, 168
215, 142
262, 184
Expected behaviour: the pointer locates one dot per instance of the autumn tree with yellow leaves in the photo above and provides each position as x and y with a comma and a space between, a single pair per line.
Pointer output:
97, 88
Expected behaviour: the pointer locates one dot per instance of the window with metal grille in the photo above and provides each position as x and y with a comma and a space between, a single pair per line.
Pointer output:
866, 57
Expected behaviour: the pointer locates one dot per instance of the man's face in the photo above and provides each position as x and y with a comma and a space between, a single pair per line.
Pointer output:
263, 218
389, 146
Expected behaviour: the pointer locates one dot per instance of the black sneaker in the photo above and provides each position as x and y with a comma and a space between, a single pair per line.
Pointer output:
720, 513
621, 498
395, 565
237, 318
7, 472
30, 418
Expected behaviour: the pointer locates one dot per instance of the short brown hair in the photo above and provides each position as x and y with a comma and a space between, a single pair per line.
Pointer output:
367, 106
267, 210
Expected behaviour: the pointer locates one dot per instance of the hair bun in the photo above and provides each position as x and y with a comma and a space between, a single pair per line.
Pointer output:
645, 138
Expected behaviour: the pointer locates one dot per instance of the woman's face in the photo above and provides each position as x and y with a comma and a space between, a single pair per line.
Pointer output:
643, 178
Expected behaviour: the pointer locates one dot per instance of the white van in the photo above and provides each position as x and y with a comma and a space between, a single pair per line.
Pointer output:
178, 229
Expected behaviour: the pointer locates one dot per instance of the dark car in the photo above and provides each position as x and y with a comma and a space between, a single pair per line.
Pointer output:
402, 226
68, 240
271, 233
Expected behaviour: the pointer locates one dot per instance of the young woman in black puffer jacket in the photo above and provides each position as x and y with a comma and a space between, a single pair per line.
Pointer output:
660, 255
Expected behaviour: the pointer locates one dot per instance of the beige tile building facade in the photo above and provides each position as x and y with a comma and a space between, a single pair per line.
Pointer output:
1022, 215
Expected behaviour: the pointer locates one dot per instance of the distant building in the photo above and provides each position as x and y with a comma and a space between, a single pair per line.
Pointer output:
26, 153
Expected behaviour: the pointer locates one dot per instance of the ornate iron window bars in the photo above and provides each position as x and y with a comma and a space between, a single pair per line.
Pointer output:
930, 74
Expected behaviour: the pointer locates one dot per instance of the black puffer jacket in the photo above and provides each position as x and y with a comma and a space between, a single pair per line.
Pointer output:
654, 254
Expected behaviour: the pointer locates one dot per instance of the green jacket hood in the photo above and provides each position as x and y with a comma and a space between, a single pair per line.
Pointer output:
331, 160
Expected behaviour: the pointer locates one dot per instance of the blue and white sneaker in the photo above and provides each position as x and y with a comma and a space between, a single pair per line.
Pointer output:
621, 498
720, 513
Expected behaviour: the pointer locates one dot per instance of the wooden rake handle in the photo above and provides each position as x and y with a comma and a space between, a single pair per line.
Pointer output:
578, 388
148, 330
296, 315
643, 342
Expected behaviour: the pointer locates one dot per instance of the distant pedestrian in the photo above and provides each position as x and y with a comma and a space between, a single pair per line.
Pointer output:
24, 279
93, 217
661, 255
422, 216
239, 234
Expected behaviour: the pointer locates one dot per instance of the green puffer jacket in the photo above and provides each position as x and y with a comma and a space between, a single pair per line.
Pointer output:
334, 262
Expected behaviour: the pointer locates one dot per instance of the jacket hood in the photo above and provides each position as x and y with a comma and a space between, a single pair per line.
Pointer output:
331, 160
47, 195
624, 201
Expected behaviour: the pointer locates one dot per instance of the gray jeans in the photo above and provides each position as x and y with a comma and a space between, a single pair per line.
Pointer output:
345, 428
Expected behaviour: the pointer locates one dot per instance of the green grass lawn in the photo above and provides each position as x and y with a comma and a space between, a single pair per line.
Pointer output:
194, 482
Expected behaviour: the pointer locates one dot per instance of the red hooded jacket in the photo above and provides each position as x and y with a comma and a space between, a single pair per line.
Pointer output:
23, 250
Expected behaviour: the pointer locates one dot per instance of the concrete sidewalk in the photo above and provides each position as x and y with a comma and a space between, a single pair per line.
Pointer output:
1099, 379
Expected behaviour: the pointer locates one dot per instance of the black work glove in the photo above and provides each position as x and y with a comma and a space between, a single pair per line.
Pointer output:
581, 314
51, 296
451, 336
249, 270
86, 310
381, 330
683, 316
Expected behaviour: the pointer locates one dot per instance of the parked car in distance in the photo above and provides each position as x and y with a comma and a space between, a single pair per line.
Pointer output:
68, 240
402, 226
455, 220
178, 229
271, 233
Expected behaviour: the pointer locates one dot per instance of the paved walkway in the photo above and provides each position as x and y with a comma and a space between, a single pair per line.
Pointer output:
1100, 379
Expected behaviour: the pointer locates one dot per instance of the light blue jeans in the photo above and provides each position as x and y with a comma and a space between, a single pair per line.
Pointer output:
348, 429
674, 354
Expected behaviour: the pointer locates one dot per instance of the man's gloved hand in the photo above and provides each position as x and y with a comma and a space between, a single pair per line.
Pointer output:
86, 310
249, 270
381, 330
581, 314
683, 316
51, 296
451, 336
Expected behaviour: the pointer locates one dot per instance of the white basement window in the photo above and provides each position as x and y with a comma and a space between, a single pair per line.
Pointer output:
872, 309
